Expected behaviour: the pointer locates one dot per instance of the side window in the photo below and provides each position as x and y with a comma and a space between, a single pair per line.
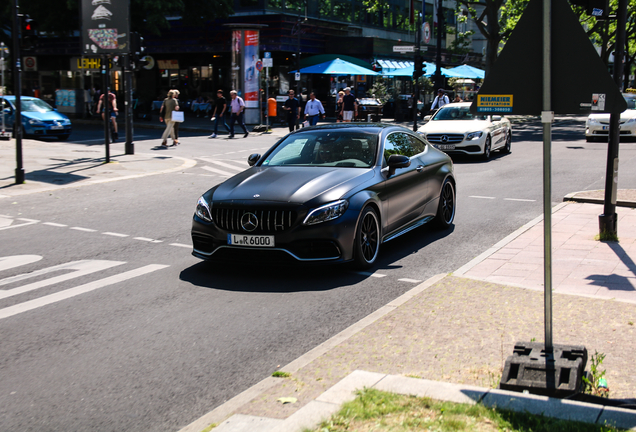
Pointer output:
5, 106
417, 144
399, 143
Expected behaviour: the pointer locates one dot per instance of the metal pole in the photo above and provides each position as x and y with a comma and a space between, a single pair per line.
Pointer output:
608, 220
439, 80
267, 98
418, 56
105, 94
546, 118
129, 146
17, 90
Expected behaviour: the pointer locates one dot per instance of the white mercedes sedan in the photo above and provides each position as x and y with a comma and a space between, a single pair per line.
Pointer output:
455, 130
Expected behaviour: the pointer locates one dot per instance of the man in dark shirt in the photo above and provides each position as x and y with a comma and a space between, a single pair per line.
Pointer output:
293, 112
219, 113
349, 106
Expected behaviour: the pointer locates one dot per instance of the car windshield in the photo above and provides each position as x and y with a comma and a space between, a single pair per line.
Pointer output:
325, 148
35, 105
366, 101
456, 113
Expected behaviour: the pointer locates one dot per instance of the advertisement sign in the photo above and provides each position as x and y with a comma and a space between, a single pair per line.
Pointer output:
105, 27
494, 103
251, 73
237, 43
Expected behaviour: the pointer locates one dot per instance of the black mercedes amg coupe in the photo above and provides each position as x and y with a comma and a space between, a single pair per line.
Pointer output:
329, 193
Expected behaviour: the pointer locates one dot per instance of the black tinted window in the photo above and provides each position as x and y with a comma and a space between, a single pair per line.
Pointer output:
402, 144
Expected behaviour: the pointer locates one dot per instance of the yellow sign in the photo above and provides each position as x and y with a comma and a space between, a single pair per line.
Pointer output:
494, 103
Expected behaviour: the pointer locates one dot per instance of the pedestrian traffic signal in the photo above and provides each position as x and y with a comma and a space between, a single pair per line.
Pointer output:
29, 33
419, 67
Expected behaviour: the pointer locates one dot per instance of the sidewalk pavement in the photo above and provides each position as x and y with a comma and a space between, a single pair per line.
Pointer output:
449, 337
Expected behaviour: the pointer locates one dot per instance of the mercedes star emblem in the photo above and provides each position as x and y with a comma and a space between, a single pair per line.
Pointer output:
444, 139
249, 222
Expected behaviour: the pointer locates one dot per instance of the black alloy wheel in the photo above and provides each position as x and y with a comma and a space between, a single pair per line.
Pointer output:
508, 147
367, 240
487, 147
446, 208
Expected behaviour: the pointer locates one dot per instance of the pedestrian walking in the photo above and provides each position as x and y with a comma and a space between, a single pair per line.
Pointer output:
440, 100
292, 106
313, 110
112, 100
349, 106
238, 107
176, 94
169, 105
339, 103
218, 116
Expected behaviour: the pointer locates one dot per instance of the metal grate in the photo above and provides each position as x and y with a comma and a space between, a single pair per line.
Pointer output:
269, 221
438, 138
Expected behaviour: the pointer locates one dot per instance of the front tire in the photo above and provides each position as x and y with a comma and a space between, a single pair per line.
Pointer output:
508, 147
367, 240
487, 148
446, 208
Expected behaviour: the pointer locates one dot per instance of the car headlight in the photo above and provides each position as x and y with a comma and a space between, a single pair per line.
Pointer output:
326, 213
65, 122
203, 210
474, 135
35, 122
591, 120
631, 121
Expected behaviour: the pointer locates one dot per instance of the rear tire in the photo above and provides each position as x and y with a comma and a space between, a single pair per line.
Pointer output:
367, 239
446, 208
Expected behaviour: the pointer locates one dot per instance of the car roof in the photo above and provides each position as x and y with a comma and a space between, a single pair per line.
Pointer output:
359, 126
12, 97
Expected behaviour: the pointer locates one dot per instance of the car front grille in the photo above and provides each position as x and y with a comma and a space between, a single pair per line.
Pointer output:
266, 220
441, 138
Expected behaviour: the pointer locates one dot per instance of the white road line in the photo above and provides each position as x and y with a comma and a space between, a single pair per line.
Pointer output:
10, 262
147, 239
83, 229
410, 280
181, 245
230, 152
53, 224
218, 171
81, 268
27, 222
375, 275
225, 165
481, 197
519, 199
115, 234
72, 292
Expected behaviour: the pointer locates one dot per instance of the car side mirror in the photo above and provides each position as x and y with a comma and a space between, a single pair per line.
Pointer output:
496, 118
253, 158
426, 118
397, 161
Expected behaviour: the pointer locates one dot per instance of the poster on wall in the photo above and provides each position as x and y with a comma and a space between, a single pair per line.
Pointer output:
251, 78
236, 58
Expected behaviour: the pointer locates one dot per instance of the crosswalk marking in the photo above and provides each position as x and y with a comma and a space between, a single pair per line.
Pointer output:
81, 268
225, 164
10, 262
72, 292
218, 171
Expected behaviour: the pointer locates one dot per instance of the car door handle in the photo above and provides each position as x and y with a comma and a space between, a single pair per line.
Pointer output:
420, 168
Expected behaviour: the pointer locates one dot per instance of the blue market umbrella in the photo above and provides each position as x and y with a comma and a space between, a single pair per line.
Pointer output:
337, 67
466, 71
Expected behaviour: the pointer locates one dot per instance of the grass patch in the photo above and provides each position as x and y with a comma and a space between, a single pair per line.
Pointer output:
606, 236
281, 374
377, 411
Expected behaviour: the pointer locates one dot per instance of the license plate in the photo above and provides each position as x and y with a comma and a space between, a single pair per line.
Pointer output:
446, 146
250, 240
56, 127
605, 127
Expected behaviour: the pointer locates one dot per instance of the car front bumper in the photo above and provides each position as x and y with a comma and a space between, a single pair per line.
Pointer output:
602, 130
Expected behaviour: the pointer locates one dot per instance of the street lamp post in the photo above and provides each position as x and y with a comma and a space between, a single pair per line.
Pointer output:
17, 90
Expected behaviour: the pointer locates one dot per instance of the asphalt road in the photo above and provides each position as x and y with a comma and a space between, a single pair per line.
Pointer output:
153, 338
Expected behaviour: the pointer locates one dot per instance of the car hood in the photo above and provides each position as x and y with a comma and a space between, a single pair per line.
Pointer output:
625, 115
291, 184
48, 115
457, 126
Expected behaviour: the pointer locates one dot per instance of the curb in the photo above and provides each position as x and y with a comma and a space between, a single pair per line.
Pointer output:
573, 198
221, 413
329, 402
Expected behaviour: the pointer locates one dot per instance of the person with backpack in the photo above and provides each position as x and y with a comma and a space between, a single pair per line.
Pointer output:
440, 100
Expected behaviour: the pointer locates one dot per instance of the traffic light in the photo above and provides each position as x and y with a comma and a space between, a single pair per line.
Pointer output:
29, 32
419, 67
137, 46
597, 8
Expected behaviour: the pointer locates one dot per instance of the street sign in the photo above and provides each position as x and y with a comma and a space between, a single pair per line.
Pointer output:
268, 62
404, 48
267, 55
297, 76
259, 65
